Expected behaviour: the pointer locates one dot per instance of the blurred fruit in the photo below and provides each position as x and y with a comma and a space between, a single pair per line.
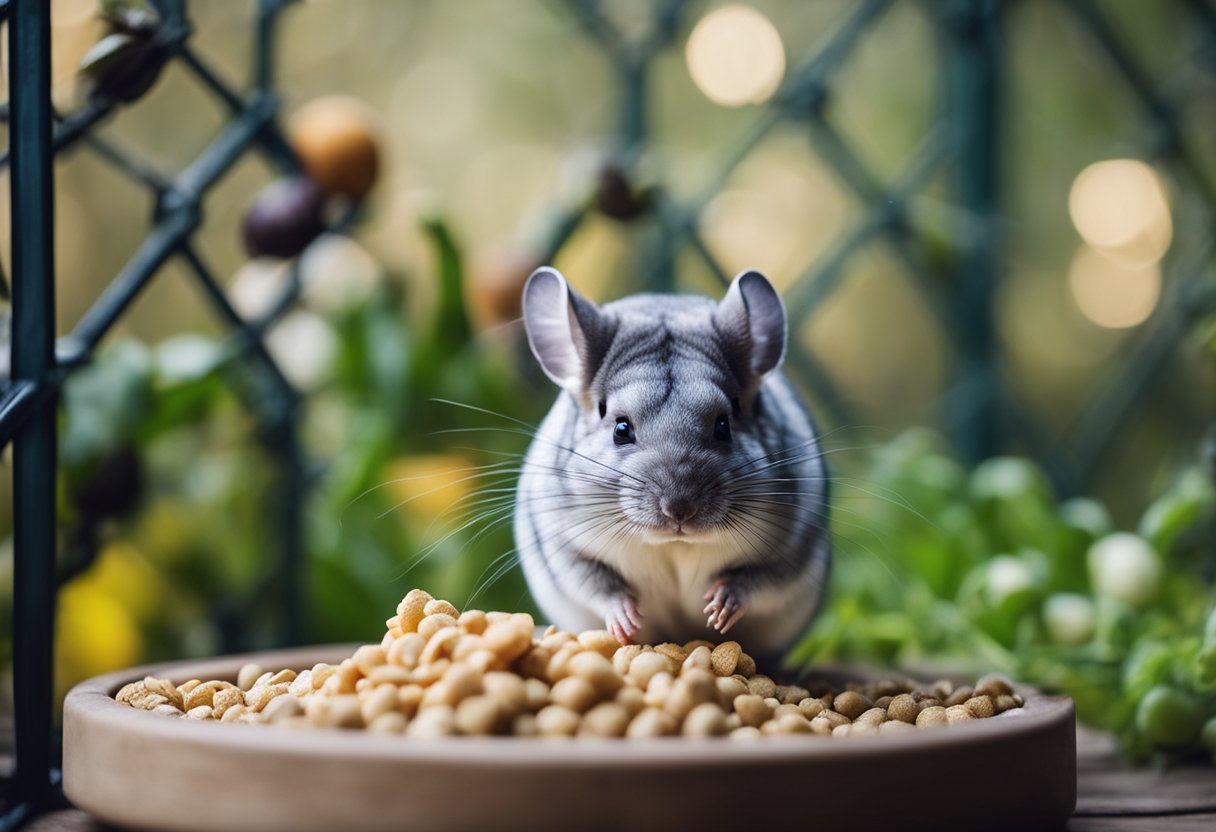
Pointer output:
1167, 717
304, 346
284, 218
94, 634
1208, 736
113, 488
430, 488
1123, 566
496, 284
1069, 618
337, 273
124, 66
336, 142
617, 197
129, 16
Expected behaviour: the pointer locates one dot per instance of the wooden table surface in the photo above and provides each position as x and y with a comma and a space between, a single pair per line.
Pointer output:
1110, 796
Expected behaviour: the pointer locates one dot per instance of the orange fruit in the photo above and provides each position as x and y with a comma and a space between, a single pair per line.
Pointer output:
336, 142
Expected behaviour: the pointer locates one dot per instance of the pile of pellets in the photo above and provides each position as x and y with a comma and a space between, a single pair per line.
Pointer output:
441, 672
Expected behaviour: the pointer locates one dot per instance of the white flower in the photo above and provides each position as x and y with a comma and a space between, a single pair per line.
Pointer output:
1069, 617
337, 272
1123, 566
257, 285
1007, 576
303, 345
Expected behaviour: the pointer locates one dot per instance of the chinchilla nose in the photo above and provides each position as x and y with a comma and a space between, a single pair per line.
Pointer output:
677, 509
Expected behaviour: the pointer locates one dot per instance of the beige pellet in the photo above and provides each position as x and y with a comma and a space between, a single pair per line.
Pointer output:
705, 720
746, 665
700, 658
675, 652
993, 686
411, 610
247, 675
281, 708
259, 697
598, 671
786, 708
746, 733
557, 721
200, 712
301, 685
472, 622
903, 708
480, 715
600, 641
651, 722
574, 693
631, 699
537, 693
320, 672
438, 721
931, 716
958, 713
442, 645
624, 656
226, 699
851, 703
232, 714
390, 722
409, 699
981, 707
689, 646
438, 607
607, 719
382, 700
793, 723
525, 725
405, 651
895, 726
872, 716
507, 639
646, 665
288, 676
432, 624
508, 690
1005, 702
385, 674
959, 696
810, 707
725, 658
762, 686
728, 689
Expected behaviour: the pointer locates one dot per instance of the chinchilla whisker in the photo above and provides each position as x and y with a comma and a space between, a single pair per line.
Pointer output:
538, 438
484, 410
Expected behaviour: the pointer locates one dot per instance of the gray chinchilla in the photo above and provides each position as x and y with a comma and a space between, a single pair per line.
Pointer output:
677, 476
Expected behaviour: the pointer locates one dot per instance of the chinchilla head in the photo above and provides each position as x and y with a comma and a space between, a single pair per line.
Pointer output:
667, 391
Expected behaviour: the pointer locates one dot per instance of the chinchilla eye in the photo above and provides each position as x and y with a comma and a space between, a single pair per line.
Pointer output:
722, 429
623, 434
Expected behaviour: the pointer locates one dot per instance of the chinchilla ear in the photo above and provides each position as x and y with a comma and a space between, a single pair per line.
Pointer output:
566, 331
753, 318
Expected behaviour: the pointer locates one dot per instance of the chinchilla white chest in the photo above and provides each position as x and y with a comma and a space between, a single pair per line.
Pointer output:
676, 490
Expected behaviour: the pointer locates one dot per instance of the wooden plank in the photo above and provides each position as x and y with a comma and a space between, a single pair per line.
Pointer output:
1160, 823
1107, 786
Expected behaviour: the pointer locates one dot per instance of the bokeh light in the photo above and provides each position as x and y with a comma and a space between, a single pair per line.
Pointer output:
1119, 207
1112, 294
735, 56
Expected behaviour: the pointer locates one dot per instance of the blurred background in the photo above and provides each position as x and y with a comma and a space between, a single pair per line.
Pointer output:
992, 223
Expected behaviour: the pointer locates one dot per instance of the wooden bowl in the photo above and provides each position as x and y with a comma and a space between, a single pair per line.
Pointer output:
1015, 771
